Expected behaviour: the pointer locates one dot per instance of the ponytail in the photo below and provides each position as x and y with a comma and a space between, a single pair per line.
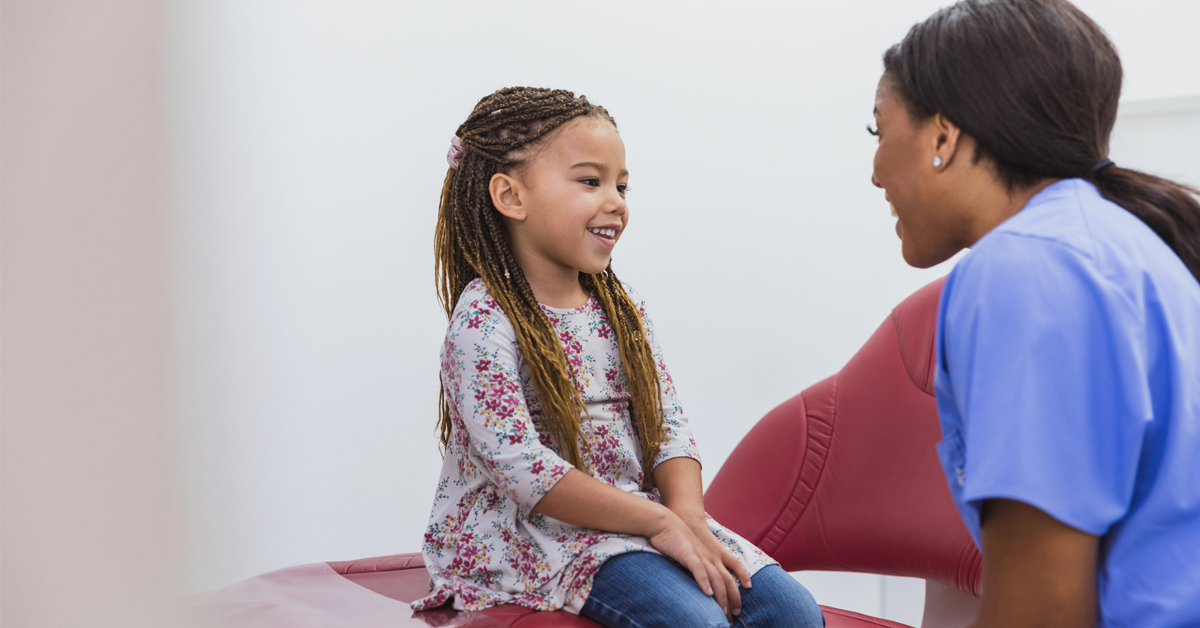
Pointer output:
1170, 209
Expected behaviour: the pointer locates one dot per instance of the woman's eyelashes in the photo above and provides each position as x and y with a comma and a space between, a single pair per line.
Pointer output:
873, 130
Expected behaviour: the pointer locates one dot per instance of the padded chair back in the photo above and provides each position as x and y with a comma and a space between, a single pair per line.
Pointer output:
845, 476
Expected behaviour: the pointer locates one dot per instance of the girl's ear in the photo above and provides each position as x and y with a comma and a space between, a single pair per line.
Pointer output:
506, 196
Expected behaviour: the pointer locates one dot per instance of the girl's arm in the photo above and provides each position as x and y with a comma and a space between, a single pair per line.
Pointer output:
679, 484
480, 374
582, 500
678, 481
677, 468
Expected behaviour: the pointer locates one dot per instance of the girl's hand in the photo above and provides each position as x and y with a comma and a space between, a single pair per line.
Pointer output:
729, 562
582, 500
707, 563
726, 557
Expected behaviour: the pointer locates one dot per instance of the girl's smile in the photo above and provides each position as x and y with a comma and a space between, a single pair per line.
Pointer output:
607, 235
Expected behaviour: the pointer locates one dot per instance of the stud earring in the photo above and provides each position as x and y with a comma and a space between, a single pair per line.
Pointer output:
937, 162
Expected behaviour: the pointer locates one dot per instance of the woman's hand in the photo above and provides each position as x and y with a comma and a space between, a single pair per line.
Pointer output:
705, 557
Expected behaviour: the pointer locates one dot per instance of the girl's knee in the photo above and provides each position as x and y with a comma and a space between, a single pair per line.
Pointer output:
778, 599
647, 590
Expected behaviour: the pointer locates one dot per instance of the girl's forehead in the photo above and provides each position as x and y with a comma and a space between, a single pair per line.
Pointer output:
586, 139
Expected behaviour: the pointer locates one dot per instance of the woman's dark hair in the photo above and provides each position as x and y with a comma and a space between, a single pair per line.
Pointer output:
1035, 83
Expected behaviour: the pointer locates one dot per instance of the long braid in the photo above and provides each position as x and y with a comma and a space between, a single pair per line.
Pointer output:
471, 242
637, 357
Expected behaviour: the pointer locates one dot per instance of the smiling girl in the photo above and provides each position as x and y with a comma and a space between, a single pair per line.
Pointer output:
570, 479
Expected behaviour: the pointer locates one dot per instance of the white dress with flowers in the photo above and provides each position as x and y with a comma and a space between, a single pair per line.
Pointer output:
484, 546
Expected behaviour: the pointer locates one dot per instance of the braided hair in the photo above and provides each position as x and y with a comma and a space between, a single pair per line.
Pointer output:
504, 131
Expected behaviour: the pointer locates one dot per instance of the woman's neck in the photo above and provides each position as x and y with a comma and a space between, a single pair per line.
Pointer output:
990, 203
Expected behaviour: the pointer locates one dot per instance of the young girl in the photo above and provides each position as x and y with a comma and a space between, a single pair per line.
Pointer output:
571, 479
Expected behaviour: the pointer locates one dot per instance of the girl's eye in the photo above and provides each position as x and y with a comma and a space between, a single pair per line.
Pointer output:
623, 188
872, 130
591, 182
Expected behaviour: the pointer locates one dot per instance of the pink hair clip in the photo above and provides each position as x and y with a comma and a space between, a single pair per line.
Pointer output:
455, 155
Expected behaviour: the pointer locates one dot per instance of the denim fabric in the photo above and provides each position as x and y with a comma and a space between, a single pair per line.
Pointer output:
647, 590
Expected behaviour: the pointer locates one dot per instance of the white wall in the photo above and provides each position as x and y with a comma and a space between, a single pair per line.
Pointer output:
309, 153
1160, 136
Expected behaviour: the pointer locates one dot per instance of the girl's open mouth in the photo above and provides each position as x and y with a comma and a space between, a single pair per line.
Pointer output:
608, 235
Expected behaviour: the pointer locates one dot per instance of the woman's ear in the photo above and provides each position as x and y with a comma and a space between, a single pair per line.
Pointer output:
506, 196
946, 140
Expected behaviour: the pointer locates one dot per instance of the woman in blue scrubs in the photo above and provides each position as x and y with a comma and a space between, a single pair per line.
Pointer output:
1068, 341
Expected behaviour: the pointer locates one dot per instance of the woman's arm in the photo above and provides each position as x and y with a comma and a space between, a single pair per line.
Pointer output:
1037, 571
579, 499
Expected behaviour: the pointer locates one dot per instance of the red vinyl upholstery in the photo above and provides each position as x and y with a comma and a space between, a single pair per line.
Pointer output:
403, 577
842, 477
845, 475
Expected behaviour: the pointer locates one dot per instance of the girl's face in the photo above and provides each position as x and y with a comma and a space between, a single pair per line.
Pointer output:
567, 209
905, 169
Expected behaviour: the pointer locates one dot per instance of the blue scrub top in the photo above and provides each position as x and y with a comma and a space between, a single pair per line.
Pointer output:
1069, 378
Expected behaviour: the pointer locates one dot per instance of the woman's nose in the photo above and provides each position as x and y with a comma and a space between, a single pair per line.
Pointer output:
875, 182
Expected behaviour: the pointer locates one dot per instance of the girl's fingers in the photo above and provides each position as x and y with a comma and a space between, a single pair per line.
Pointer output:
734, 596
739, 570
720, 590
700, 573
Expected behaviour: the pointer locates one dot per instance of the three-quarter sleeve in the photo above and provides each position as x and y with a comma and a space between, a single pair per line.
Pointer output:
481, 376
679, 442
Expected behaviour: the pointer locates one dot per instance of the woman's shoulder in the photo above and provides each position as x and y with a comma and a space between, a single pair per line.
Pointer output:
1069, 234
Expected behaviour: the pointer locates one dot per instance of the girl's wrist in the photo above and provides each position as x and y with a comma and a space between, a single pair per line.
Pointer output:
693, 516
661, 519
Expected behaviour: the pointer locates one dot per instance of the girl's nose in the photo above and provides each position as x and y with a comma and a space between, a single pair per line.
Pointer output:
617, 203
875, 182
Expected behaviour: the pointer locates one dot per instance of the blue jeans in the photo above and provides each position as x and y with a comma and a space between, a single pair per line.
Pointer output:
648, 590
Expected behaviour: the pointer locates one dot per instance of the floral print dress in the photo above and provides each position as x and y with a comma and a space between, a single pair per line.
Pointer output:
484, 546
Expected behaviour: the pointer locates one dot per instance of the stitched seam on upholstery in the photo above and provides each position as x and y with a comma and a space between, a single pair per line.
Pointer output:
932, 369
761, 542
969, 563
795, 510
